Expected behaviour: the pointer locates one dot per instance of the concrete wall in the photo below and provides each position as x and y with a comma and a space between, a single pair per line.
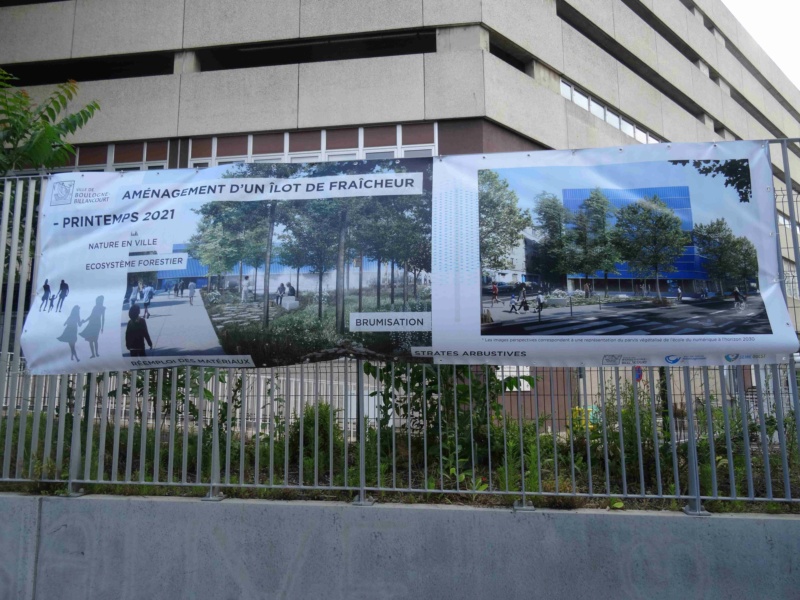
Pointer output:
120, 548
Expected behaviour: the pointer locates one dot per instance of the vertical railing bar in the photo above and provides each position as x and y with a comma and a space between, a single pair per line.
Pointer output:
654, 419
22, 435
131, 414
601, 376
745, 430
287, 417
173, 423
316, 424
489, 423
38, 400
794, 397
75, 446
362, 433
694, 463
89, 416
271, 426
439, 410
346, 399
587, 416
158, 425
505, 431
792, 219
394, 432
776, 387
710, 429
187, 390
214, 477
201, 421
11, 406
103, 434
455, 421
536, 423
330, 423
673, 441
471, 427
762, 426
553, 428
118, 403
228, 422
242, 424
379, 394
408, 420
637, 416
568, 385
301, 445
257, 440
524, 503
623, 468
143, 426
724, 393
62, 418
48, 430
425, 426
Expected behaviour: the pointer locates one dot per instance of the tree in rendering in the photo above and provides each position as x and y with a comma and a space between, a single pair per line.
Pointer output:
34, 135
735, 172
649, 238
501, 221
551, 257
590, 246
727, 257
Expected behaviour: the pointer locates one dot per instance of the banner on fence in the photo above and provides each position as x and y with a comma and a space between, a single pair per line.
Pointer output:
645, 255
156, 269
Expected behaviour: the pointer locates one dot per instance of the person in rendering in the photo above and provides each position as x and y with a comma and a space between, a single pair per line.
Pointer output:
738, 298
587, 290
52, 299
539, 302
680, 294
246, 289
513, 303
279, 295
136, 333
192, 286
290, 291
181, 287
63, 292
95, 324
147, 295
495, 292
45, 295
70, 334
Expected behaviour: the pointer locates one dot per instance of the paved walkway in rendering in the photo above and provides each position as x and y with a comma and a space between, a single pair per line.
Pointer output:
178, 328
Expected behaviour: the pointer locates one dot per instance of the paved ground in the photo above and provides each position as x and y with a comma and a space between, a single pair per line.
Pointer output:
178, 328
691, 317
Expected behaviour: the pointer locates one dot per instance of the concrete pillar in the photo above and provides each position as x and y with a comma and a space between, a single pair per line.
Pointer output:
459, 39
186, 62
545, 76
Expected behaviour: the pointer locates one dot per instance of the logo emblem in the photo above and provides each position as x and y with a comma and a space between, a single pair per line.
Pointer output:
672, 359
731, 357
62, 193
612, 359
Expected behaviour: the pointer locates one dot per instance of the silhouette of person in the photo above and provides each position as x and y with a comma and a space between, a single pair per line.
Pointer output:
192, 286
45, 295
136, 333
96, 323
63, 292
70, 334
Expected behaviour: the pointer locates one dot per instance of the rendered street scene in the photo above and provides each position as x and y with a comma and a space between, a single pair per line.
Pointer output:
635, 317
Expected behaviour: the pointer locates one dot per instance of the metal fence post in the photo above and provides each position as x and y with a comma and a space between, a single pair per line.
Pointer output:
694, 507
362, 499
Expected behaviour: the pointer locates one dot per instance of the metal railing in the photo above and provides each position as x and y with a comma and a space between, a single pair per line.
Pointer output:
678, 433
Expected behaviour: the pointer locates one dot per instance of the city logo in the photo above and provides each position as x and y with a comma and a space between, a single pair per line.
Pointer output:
672, 359
731, 357
62, 193
612, 359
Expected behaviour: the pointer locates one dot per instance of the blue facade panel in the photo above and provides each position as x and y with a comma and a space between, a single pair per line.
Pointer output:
677, 199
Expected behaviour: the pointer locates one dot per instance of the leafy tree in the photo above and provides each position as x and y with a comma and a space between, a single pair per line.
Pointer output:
736, 173
649, 237
727, 257
501, 221
212, 248
34, 135
551, 259
590, 245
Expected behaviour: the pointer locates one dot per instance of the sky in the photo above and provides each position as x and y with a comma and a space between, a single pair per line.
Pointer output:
774, 25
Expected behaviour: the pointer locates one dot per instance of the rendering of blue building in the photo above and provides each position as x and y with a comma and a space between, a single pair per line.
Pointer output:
689, 267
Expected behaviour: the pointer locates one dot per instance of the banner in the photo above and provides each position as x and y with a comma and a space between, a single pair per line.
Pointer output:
638, 256
156, 269
644, 255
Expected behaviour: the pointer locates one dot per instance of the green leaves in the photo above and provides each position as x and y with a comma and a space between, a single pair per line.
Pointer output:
501, 221
33, 136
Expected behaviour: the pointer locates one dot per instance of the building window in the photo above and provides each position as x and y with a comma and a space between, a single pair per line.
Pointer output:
612, 119
566, 90
580, 99
598, 110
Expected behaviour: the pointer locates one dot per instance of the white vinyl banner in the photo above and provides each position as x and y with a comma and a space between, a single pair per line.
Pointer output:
644, 255
156, 269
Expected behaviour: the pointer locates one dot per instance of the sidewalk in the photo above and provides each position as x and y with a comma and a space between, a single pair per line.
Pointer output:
178, 328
